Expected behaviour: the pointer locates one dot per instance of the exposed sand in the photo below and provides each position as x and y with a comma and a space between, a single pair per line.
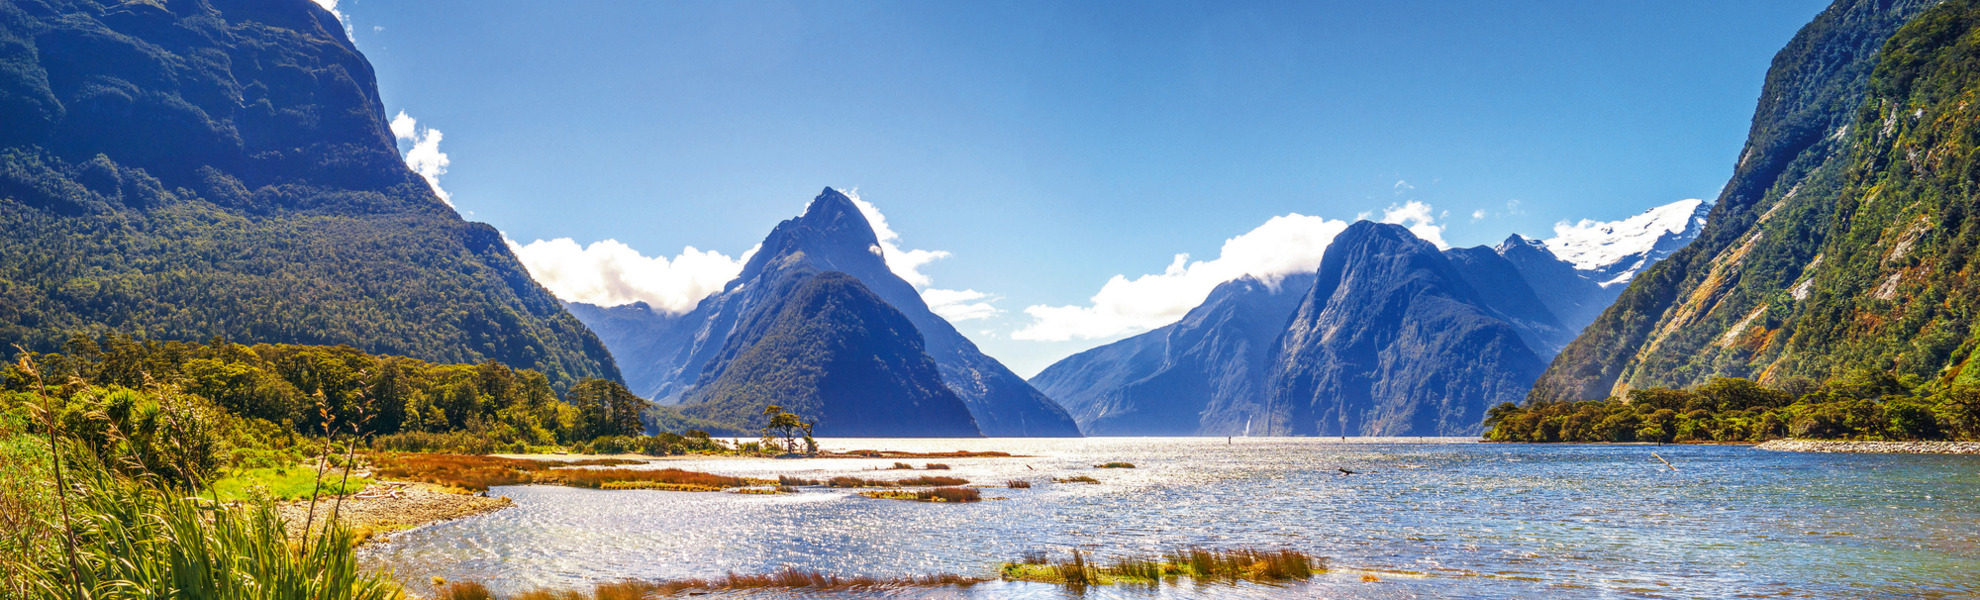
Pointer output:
389, 506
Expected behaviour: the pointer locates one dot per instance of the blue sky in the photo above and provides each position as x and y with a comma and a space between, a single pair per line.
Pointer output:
1034, 150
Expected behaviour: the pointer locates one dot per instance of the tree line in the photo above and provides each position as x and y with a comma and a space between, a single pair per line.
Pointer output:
1862, 405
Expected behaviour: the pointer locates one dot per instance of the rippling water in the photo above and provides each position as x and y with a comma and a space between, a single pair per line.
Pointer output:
1429, 519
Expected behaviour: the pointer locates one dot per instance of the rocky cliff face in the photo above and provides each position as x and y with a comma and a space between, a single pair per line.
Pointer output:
1764, 291
200, 168
1392, 341
1203, 375
831, 350
832, 235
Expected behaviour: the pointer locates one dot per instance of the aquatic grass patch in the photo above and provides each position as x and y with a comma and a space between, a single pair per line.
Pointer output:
1115, 465
901, 466
940, 494
789, 481
1194, 563
1017, 484
935, 467
1075, 479
847, 481
628, 479
901, 454
790, 578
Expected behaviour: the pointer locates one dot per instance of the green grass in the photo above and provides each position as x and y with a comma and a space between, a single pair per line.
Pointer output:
290, 483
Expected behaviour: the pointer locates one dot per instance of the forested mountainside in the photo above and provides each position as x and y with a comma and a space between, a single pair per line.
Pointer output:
673, 355
832, 351
205, 168
1842, 240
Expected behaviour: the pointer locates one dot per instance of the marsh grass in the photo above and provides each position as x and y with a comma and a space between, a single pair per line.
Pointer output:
940, 494
935, 467
789, 481
847, 481
1195, 563
1115, 465
1075, 479
790, 578
1017, 484
900, 454
478, 473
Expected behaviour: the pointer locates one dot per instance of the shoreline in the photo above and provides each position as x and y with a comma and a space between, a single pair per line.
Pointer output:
388, 507
1837, 446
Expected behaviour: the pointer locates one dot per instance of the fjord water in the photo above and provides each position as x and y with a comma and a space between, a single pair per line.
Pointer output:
1429, 519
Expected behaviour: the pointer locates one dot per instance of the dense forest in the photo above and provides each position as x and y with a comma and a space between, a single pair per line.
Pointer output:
338, 390
1864, 405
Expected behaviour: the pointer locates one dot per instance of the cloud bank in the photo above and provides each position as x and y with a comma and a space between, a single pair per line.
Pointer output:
610, 273
1284, 245
1420, 220
425, 157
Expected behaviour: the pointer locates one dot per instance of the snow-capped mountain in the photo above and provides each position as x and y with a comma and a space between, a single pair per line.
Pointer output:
1615, 251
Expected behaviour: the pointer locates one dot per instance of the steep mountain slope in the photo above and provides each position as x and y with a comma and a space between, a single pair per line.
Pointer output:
1727, 303
635, 333
1575, 297
832, 235
1392, 341
197, 168
1202, 375
835, 352
1507, 295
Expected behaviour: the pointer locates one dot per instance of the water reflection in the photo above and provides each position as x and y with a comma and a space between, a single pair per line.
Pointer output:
1427, 519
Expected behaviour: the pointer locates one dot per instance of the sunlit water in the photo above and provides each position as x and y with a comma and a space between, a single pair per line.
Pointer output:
1428, 519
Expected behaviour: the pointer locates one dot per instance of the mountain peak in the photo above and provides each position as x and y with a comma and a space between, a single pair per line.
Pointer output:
1618, 249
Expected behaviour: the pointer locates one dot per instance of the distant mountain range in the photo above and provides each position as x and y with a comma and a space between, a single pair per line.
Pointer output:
1845, 240
199, 168
679, 359
1389, 337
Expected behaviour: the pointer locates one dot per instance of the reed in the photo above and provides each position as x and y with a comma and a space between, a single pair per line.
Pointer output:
478, 473
936, 467
1018, 484
1194, 563
1115, 465
1075, 479
901, 466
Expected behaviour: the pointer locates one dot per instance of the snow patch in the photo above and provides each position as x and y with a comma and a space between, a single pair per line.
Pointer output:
1617, 250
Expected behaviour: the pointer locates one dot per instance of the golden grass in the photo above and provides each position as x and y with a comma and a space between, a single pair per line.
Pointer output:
1075, 479
941, 494
847, 481
900, 454
478, 473
1115, 465
1194, 563
1017, 484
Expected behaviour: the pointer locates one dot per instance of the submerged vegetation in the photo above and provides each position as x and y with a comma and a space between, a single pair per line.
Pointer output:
1195, 563
1861, 406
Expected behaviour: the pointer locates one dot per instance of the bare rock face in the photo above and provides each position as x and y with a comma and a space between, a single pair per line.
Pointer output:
1392, 341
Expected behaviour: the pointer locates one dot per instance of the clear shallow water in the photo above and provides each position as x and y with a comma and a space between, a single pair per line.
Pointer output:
1430, 519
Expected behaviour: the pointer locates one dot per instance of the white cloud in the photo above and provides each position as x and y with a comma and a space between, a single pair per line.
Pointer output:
610, 273
959, 305
425, 157
904, 263
1478, 215
331, 5
1283, 245
1418, 217
1403, 186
